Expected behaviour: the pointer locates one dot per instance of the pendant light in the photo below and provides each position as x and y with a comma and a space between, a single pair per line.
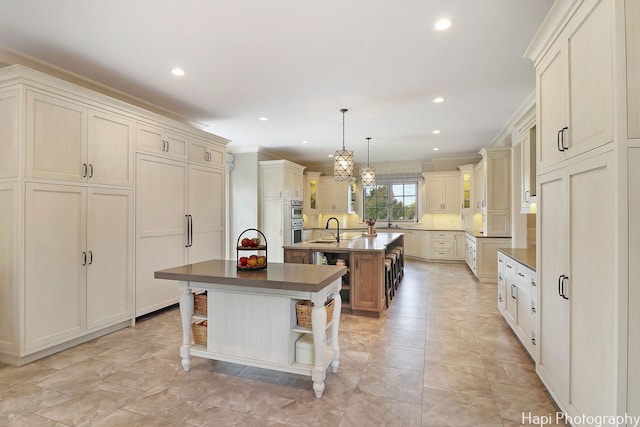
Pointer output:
368, 174
343, 159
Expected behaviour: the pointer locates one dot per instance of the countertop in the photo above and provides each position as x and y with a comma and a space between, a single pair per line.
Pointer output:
362, 243
290, 277
385, 230
525, 256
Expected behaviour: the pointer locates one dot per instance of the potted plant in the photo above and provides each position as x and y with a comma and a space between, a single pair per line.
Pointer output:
370, 226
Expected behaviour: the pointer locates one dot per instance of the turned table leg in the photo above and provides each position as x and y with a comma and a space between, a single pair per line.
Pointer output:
318, 327
186, 313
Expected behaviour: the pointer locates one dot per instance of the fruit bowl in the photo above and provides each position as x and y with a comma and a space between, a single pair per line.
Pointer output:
251, 253
248, 268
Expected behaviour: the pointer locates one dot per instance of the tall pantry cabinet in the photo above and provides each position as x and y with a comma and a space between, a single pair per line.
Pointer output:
586, 56
67, 213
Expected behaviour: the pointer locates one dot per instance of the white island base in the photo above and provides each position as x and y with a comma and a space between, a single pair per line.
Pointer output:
257, 325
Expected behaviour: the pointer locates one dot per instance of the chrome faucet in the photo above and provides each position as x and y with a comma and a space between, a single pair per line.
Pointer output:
338, 226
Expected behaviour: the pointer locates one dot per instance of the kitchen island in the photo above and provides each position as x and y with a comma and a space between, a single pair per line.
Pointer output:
251, 315
363, 287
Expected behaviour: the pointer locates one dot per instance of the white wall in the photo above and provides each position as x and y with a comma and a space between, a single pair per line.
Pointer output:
243, 196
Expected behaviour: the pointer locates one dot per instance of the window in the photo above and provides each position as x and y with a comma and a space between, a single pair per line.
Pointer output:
392, 201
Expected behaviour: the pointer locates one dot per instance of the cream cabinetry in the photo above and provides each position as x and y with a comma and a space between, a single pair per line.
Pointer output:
311, 193
206, 153
466, 189
493, 191
280, 179
447, 245
160, 141
88, 255
9, 132
179, 219
527, 168
442, 192
585, 190
575, 114
518, 300
481, 255
67, 140
417, 243
336, 197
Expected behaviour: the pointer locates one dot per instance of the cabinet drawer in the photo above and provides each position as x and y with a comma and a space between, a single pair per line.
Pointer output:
442, 244
445, 253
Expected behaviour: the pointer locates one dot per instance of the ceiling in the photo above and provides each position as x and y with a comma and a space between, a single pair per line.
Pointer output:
297, 63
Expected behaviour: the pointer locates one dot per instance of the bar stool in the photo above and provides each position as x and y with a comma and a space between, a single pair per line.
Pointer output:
393, 257
388, 283
399, 251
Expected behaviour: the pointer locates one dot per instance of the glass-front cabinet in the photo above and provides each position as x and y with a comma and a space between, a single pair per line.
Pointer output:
311, 191
466, 177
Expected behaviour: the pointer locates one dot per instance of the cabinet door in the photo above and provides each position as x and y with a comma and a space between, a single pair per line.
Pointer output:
511, 302
205, 153
55, 258
311, 191
633, 160
435, 194
110, 149
591, 87
271, 220
552, 247
289, 187
296, 256
502, 285
552, 87
632, 29
8, 266
479, 189
466, 190
590, 285
367, 286
161, 229
161, 141
527, 169
9, 131
451, 201
206, 207
460, 241
110, 249
56, 138
271, 182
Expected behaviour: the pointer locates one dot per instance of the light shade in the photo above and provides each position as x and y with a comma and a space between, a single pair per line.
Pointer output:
343, 165
368, 177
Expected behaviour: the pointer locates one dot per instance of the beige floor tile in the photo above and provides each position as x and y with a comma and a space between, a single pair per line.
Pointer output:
401, 338
460, 378
121, 418
394, 383
367, 410
446, 408
393, 356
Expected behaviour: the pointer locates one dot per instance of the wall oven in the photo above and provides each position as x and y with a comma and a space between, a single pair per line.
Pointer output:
297, 226
296, 209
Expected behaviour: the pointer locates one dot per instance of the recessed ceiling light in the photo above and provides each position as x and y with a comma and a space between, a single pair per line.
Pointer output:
264, 119
305, 142
436, 149
437, 131
438, 99
177, 71
330, 155
442, 24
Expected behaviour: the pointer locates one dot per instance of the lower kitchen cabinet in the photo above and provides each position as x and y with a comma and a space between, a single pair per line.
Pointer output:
481, 255
518, 300
78, 262
368, 281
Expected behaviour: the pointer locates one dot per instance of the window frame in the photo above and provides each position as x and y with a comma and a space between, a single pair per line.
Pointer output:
389, 183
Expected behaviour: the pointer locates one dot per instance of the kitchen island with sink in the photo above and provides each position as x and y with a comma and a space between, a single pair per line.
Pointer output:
250, 316
363, 287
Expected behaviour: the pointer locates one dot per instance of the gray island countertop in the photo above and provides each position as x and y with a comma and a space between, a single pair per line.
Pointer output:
377, 243
291, 277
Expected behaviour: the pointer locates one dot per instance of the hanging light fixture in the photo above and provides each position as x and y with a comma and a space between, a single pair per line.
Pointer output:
343, 159
368, 174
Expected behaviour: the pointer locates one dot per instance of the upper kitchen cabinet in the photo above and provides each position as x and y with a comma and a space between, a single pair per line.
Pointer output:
575, 86
69, 141
493, 174
632, 24
466, 189
442, 192
311, 193
337, 197
206, 153
280, 179
9, 132
527, 167
157, 140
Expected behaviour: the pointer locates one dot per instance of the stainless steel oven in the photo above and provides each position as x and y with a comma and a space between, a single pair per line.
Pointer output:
296, 209
297, 226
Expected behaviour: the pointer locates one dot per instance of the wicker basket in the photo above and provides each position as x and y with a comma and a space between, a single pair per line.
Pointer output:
303, 312
200, 304
199, 332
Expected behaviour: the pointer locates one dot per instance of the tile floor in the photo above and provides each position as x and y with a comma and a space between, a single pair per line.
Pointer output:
441, 356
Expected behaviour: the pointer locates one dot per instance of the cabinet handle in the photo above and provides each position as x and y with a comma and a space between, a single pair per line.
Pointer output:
533, 283
520, 274
508, 265
564, 129
90, 257
564, 287
84, 258
533, 340
167, 145
514, 286
526, 196
84, 170
189, 231
91, 171
499, 298
533, 308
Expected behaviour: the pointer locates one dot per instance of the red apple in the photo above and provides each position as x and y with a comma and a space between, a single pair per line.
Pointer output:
243, 260
246, 242
255, 242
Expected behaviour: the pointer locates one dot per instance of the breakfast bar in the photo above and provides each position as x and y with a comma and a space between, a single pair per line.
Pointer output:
251, 315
